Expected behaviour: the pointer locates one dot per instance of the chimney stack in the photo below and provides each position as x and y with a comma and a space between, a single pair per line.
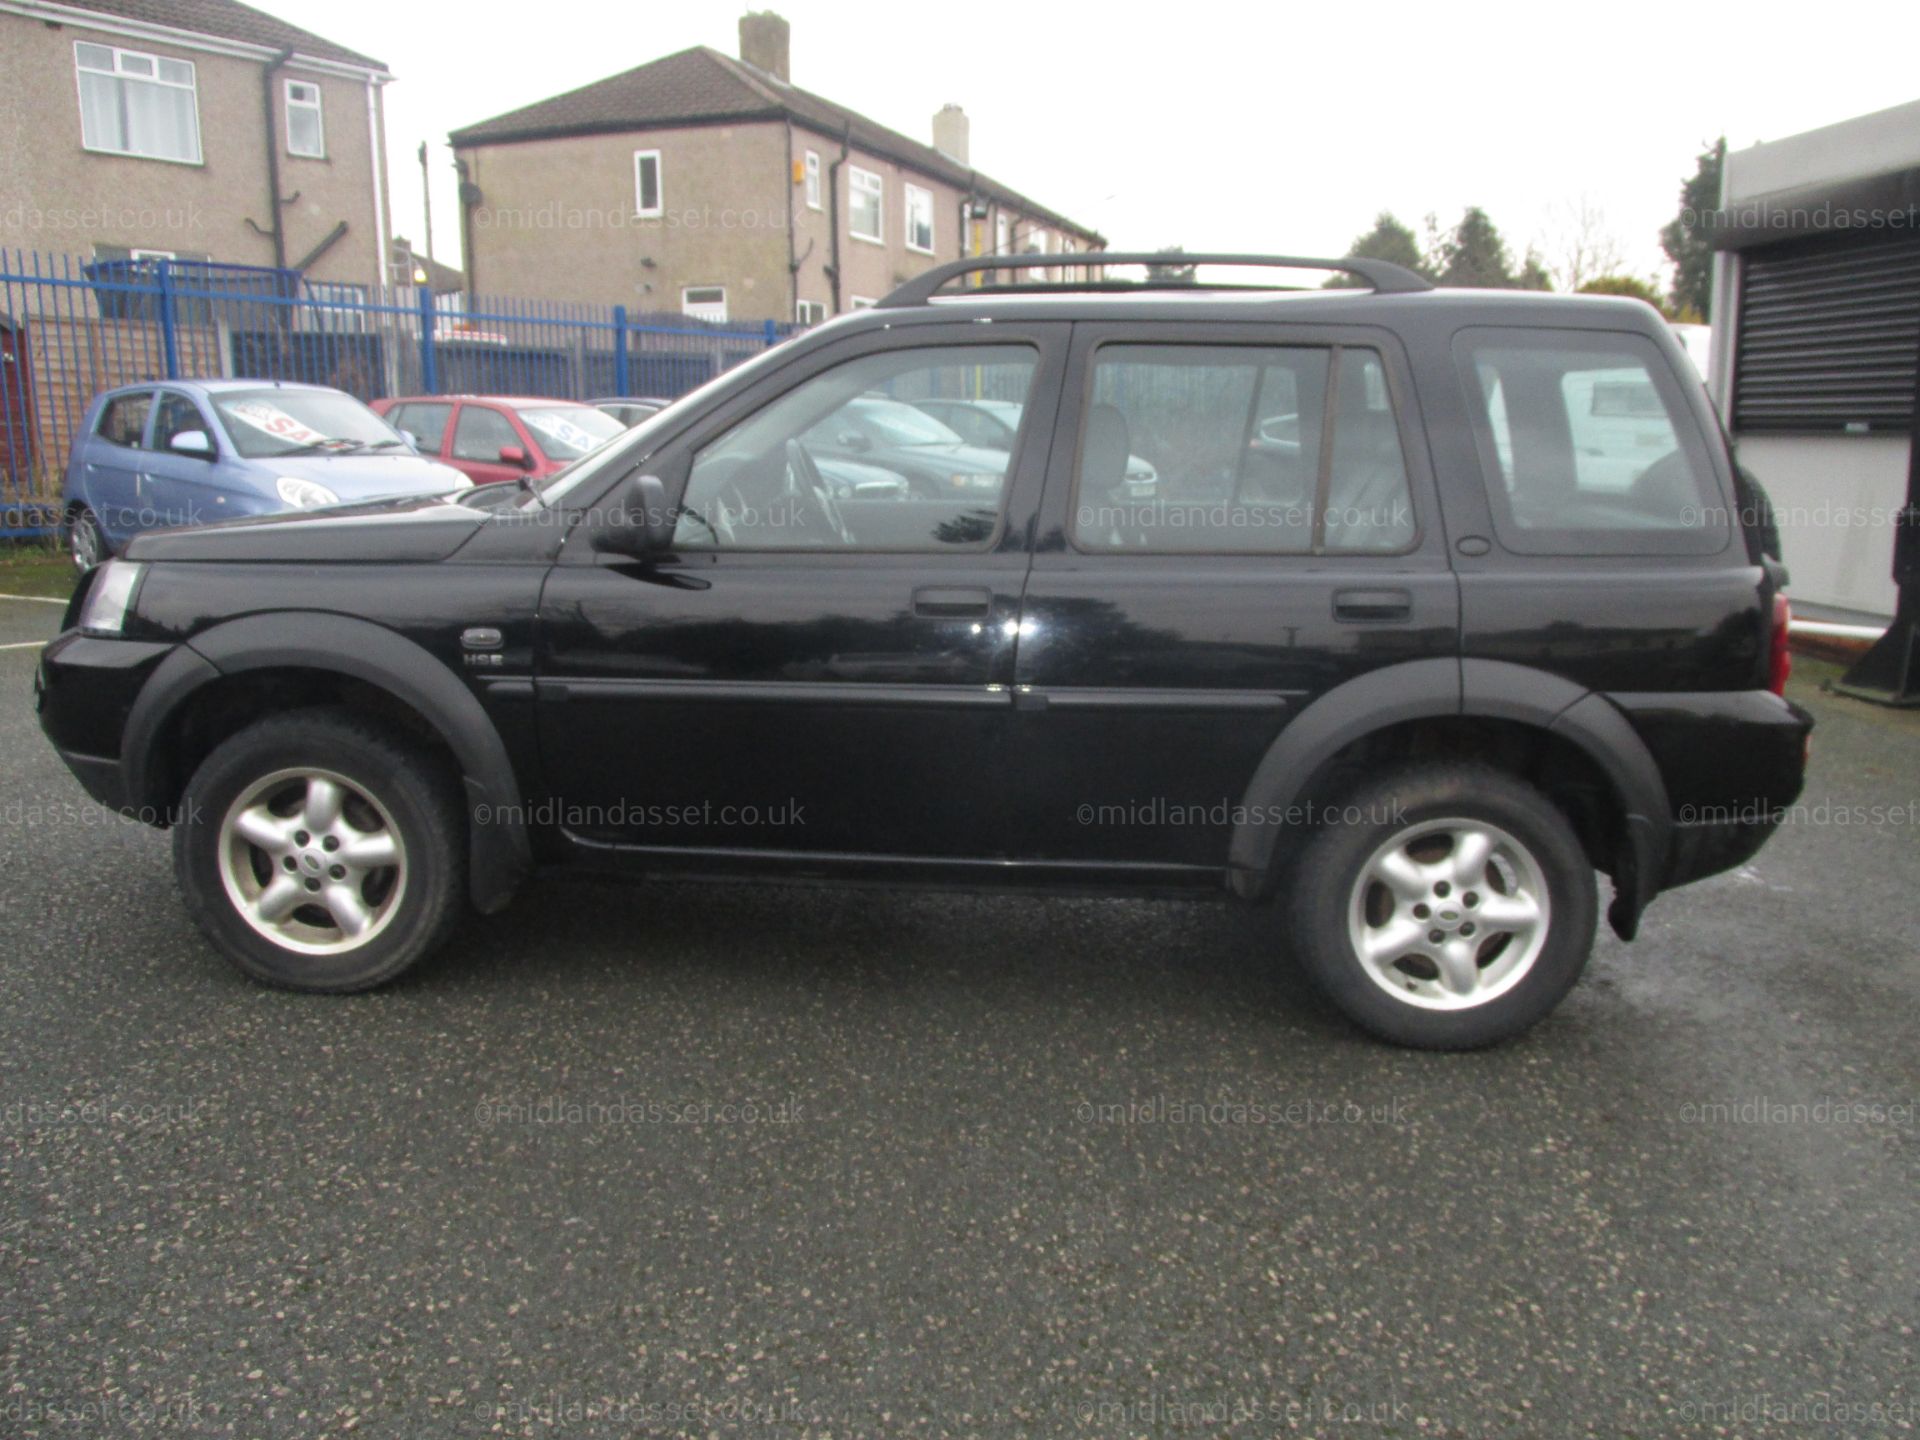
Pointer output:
763, 43
950, 133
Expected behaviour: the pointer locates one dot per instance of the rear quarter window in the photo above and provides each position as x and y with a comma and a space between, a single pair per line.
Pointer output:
1588, 445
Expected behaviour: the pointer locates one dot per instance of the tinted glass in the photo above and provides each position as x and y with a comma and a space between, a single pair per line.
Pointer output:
1221, 449
847, 461
1588, 445
177, 416
426, 423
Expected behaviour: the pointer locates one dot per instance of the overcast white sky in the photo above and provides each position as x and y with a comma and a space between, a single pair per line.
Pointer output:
1214, 126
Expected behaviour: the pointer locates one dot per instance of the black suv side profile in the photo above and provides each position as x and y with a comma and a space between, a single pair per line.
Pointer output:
1437, 603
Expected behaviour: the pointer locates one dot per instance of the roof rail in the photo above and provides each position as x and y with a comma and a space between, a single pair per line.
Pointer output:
1385, 277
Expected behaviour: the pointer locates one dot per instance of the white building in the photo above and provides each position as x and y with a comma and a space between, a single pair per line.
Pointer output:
1816, 307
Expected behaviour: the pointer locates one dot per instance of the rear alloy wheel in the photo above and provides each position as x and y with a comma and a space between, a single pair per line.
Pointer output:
318, 852
86, 541
1451, 906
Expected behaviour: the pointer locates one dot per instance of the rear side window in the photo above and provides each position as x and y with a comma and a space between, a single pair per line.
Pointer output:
1588, 445
123, 419
1227, 449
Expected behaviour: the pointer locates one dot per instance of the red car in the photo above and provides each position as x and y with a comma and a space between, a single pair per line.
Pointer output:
500, 437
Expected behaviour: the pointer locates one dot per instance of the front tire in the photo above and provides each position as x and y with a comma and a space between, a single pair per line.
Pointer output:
1447, 907
318, 852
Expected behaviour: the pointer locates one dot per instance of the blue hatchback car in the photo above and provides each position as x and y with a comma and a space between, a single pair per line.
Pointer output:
186, 452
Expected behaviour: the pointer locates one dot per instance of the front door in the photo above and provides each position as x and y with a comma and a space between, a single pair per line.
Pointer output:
180, 488
114, 455
1284, 539
480, 433
813, 668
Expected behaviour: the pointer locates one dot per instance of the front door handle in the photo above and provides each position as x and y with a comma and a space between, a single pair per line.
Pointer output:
1356, 607
944, 602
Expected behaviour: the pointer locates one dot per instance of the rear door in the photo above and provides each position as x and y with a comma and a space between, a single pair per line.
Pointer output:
115, 454
794, 676
1289, 541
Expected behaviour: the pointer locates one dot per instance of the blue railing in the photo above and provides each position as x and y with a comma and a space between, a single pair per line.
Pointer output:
70, 329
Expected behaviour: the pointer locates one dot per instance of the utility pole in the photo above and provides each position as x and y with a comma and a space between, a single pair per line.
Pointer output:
426, 195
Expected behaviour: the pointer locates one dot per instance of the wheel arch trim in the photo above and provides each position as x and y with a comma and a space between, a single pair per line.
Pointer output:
499, 850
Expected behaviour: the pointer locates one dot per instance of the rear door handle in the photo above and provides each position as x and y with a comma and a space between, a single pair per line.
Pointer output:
940, 602
1361, 606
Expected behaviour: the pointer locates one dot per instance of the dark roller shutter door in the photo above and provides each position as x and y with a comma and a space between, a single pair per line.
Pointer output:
1829, 333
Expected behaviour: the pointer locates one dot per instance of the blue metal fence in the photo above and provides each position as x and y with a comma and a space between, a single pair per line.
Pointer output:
70, 329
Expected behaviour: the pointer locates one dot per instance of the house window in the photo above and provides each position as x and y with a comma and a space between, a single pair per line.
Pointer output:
135, 104
866, 193
811, 170
705, 302
306, 135
862, 302
809, 312
646, 182
1036, 245
1002, 235
919, 219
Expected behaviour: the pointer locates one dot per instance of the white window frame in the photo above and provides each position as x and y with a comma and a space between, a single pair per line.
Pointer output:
867, 182
1002, 233
120, 54
692, 314
810, 180
862, 302
317, 106
925, 196
659, 186
809, 312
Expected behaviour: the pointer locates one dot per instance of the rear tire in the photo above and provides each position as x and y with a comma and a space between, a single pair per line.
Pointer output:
1449, 906
320, 853
86, 541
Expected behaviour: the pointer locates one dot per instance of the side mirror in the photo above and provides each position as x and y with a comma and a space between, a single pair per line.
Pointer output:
515, 455
192, 442
635, 521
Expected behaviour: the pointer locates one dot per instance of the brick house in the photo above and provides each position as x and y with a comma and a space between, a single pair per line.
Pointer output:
716, 188
170, 128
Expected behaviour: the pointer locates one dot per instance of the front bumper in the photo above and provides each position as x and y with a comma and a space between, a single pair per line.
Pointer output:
84, 690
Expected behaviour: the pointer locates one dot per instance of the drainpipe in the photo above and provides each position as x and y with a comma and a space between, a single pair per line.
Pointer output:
377, 144
833, 211
278, 232
786, 199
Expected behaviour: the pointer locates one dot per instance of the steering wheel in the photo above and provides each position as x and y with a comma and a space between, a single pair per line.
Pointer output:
808, 490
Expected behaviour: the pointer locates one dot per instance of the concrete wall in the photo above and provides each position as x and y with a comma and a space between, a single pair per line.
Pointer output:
56, 196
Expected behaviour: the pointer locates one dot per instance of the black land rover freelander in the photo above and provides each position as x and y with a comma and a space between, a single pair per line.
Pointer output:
1403, 611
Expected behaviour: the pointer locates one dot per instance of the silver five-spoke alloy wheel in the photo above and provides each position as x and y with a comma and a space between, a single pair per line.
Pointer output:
1449, 914
312, 862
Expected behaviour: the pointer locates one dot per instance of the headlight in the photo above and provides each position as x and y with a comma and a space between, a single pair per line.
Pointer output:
975, 482
304, 494
111, 597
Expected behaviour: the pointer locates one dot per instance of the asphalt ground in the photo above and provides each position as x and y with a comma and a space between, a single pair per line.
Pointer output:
685, 1159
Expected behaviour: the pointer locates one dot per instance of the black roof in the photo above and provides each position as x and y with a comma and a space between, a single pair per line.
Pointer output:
701, 86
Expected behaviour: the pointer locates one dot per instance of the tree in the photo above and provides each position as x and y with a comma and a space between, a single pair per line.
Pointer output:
1167, 273
1387, 240
1583, 247
1533, 274
1631, 286
1475, 254
1685, 238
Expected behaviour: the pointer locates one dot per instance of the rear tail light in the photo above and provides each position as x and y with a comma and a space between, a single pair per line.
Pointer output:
1780, 659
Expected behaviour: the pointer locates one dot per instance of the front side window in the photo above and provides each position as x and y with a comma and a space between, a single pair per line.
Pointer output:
847, 461
482, 433
810, 171
1588, 446
137, 104
177, 416
919, 219
266, 423
1241, 449
866, 194
306, 132
646, 183
123, 419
